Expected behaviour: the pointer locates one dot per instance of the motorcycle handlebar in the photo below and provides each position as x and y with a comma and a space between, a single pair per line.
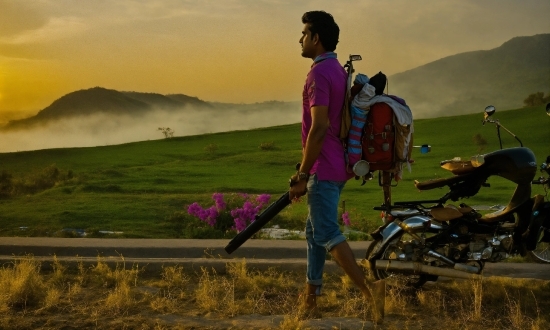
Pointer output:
410, 204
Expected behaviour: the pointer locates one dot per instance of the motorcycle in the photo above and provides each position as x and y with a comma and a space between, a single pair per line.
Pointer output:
422, 240
541, 213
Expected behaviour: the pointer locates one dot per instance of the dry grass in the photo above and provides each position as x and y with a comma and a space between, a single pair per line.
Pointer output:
122, 297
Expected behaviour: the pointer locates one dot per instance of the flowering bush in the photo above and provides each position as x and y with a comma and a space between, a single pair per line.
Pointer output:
242, 216
345, 219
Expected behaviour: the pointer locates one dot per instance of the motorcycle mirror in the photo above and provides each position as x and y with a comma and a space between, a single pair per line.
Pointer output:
489, 111
548, 109
355, 58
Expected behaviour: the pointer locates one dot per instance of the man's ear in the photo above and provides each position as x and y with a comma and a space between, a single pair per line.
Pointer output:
315, 39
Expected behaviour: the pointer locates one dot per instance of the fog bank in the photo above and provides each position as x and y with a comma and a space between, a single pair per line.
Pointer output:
102, 129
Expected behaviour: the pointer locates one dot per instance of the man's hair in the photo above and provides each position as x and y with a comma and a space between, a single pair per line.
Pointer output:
323, 24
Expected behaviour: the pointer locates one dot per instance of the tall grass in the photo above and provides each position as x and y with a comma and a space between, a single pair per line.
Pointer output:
106, 297
21, 285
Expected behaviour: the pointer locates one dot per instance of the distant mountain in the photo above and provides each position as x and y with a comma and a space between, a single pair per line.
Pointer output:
467, 82
189, 100
101, 100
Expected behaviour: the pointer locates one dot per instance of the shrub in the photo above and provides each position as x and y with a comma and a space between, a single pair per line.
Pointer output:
33, 182
267, 146
211, 148
6, 184
42, 180
238, 218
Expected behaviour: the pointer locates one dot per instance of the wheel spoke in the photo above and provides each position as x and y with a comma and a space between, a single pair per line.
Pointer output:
542, 252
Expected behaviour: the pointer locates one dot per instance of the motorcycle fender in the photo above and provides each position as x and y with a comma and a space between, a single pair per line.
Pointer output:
413, 223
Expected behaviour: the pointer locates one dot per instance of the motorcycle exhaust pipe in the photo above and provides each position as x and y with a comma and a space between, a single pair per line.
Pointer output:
459, 270
460, 267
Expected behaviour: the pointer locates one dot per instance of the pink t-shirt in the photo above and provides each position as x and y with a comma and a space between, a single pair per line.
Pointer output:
326, 86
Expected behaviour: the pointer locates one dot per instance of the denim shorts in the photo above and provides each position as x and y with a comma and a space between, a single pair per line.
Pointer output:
322, 229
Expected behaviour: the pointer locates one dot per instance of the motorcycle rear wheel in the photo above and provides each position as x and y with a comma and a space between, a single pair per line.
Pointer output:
411, 280
541, 253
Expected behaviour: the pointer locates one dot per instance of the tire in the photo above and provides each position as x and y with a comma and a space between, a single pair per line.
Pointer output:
411, 280
541, 253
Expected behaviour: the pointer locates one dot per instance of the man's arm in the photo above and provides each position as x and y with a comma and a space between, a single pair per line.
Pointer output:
314, 144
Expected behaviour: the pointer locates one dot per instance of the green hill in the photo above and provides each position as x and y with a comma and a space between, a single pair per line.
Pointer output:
144, 188
96, 100
458, 84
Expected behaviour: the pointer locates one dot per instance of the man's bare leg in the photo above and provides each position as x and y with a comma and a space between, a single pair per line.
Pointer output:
376, 291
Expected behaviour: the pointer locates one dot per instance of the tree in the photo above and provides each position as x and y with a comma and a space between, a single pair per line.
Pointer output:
536, 99
479, 141
167, 131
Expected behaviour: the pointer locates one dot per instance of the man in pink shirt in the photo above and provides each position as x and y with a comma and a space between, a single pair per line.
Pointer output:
322, 174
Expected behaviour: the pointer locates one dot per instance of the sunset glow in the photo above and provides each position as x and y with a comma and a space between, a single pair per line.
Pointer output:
228, 51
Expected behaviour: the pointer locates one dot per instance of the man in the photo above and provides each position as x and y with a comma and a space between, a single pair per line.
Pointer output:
322, 172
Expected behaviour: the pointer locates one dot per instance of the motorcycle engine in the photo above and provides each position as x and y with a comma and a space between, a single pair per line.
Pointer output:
492, 248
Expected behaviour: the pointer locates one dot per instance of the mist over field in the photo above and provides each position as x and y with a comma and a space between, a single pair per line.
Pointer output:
107, 129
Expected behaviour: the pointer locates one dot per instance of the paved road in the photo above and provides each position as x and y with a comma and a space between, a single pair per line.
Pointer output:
152, 254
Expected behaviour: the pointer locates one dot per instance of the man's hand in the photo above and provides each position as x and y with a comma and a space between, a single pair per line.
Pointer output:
298, 187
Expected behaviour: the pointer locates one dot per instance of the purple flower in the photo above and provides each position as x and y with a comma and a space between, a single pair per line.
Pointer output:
345, 219
240, 224
194, 209
263, 199
210, 215
242, 216
220, 203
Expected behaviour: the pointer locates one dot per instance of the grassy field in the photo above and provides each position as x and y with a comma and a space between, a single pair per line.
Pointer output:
143, 189
104, 297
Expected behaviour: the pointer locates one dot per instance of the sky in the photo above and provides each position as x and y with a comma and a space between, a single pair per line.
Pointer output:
238, 51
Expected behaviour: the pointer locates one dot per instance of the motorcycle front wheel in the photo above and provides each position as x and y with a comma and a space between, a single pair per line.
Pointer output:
541, 253
411, 280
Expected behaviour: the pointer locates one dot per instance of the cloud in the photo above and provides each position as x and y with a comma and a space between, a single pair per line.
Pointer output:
244, 50
18, 17
57, 28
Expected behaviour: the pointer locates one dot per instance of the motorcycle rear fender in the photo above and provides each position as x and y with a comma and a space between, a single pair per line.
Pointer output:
392, 230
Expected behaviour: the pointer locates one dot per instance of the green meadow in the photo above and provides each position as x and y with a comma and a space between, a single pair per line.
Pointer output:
143, 189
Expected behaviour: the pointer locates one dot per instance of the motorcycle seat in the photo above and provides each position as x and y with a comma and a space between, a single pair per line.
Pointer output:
449, 212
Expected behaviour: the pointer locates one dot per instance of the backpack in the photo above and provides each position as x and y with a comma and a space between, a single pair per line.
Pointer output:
375, 141
386, 145
378, 140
